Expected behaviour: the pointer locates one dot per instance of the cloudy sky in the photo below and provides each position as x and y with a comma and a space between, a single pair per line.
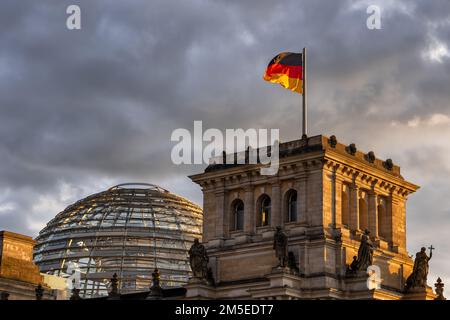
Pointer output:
82, 110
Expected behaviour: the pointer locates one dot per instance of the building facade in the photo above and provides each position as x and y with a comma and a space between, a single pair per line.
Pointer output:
20, 278
325, 195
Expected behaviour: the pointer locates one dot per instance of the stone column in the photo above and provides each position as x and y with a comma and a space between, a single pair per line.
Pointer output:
249, 212
354, 214
220, 214
333, 198
276, 218
338, 201
388, 220
302, 196
373, 214
398, 223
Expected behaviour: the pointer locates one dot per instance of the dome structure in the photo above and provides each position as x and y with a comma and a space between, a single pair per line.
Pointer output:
129, 230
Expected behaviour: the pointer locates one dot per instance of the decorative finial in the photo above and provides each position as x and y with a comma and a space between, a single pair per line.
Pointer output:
370, 157
351, 149
156, 292
114, 286
75, 292
439, 285
388, 164
332, 141
39, 292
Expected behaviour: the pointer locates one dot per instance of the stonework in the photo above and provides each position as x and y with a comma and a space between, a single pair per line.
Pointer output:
16, 258
19, 276
339, 192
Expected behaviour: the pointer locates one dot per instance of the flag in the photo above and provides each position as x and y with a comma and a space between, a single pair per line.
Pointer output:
286, 69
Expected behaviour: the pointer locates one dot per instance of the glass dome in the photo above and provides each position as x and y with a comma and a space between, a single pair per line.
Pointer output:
129, 229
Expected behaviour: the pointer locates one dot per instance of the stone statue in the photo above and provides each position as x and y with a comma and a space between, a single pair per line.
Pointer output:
156, 292
354, 264
418, 277
365, 252
75, 292
439, 285
198, 259
114, 286
280, 244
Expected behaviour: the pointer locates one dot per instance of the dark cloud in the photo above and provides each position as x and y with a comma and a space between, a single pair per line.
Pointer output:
82, 110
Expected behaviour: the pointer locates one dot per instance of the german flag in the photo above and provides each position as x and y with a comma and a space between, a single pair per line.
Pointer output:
286, 69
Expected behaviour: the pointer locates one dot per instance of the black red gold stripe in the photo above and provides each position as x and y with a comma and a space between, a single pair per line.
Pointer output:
286, 70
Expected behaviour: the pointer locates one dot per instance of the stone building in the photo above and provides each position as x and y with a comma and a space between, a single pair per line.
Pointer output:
19, 276
324, 196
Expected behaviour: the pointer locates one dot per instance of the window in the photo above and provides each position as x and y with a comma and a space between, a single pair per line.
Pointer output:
291, 205
264, 211
238, 215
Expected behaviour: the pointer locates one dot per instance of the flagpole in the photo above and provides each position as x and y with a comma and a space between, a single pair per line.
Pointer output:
304, 107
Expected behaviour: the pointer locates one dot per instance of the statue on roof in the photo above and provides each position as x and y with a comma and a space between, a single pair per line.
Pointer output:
198, 259
365, 252
418, 277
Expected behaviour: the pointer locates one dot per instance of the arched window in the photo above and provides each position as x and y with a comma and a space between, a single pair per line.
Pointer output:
238, 215
264, 211
363, 213
291, 205
345, 206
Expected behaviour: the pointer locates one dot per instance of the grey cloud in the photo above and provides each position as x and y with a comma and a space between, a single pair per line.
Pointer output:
95, 107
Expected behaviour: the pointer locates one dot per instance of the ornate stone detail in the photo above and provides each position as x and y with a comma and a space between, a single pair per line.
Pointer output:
114, 286
39, 292
418, 278
370, 157
332, 141
198, 259
439, 285
365, 251
365, 255
388, 164
156, 291
280, 245
351, 149
75, 294
354, 265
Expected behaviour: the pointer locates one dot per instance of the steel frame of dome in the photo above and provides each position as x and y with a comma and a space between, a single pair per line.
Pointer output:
128, 229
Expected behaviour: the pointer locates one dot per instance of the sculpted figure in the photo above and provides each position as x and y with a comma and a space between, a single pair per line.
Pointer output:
280, 244
198, 259
365, 252
418, 278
